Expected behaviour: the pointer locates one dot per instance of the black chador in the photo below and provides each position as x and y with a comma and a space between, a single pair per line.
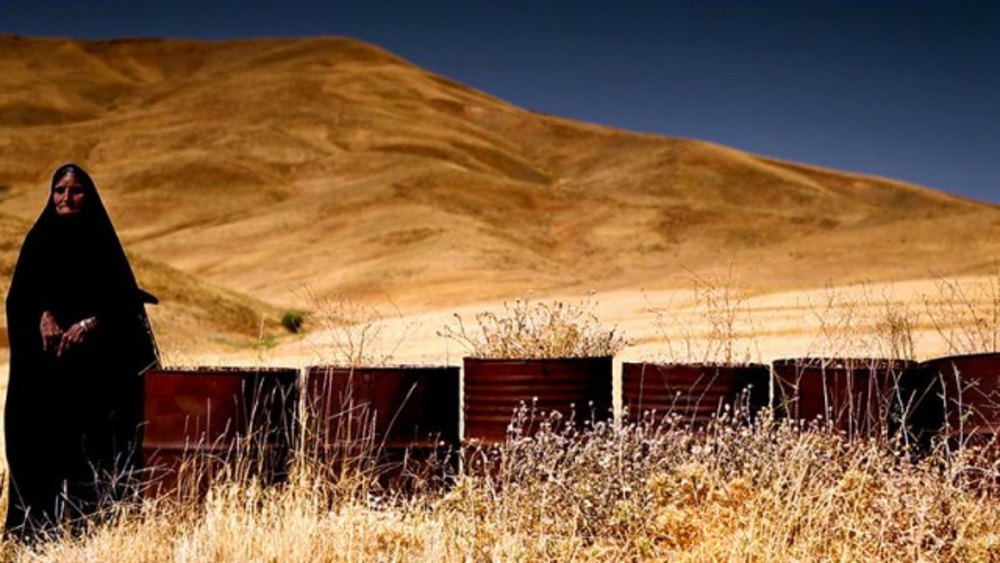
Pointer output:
79, 341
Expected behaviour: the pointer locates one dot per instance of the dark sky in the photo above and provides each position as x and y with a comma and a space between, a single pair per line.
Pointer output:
907, 89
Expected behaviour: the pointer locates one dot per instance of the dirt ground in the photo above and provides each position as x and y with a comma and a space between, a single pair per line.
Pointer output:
669, 325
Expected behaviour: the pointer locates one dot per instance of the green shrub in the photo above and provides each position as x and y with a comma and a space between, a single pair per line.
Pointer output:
293, 319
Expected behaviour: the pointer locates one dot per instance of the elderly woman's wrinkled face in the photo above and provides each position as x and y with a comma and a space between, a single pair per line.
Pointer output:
68, 195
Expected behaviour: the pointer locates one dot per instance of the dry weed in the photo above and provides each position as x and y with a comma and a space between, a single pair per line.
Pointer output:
766, 491
966, 315
895, 328
721, 304
354, 334
862, 321
535, 329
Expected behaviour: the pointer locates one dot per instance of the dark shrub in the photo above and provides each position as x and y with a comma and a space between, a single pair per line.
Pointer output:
293, 320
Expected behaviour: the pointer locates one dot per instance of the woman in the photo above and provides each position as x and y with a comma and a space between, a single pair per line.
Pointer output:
79, 341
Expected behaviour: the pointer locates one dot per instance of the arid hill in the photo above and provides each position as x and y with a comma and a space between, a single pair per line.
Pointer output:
244, 175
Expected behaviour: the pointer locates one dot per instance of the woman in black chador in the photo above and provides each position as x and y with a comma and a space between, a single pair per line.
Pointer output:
79, 341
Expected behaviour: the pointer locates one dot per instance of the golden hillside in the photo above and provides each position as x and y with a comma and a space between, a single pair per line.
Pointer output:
275, 167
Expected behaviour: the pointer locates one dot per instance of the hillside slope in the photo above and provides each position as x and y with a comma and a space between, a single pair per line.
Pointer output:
276, 168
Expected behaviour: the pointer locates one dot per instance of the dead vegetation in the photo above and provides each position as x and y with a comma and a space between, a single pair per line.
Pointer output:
966, 315
863, 321
766, 491
716, 328
537, 329
354, 334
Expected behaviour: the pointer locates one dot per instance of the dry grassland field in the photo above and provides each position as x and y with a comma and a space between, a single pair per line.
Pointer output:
248, 179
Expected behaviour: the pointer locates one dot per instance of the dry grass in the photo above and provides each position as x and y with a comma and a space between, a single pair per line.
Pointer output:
966, 315
354, 334
722, 331
863, 320
771, 491
537, 329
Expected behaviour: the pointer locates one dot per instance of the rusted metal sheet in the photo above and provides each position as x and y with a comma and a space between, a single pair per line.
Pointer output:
400, 423
202, 421
858, 395
958, 396
695, 393
579, 389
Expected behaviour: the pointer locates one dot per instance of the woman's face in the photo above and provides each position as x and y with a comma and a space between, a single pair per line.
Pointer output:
68, 195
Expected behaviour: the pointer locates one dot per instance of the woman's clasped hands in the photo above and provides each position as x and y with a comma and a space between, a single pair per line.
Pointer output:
57, 341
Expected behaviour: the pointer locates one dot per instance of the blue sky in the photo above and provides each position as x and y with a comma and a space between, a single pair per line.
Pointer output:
908, 89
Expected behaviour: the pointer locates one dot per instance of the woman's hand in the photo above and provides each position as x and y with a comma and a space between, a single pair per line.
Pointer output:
52, 333
75, 335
